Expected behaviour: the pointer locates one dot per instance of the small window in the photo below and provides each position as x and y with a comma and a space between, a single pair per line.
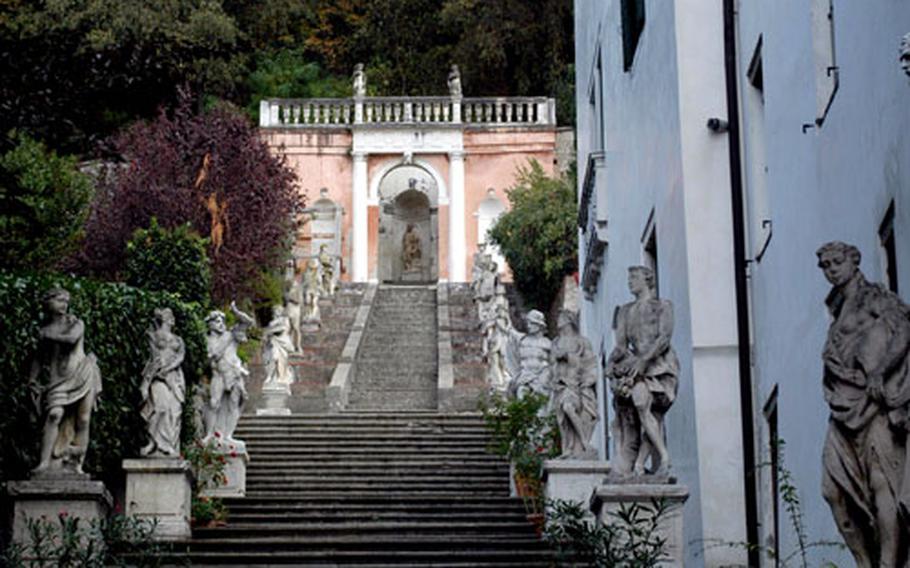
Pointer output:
633, 23
888, 249
755, 72
649, 250
826, 72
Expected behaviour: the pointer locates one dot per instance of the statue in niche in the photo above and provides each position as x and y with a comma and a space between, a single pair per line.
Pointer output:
411, 249
359, 80
529, 358
866, 382
644, 376
454, 81
574, 397
68, 395
293, 299
276, 349
163, 387
327, 263
227, 390
312, 284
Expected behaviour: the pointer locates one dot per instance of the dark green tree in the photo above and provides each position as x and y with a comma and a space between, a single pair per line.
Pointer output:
44, 200
538, 235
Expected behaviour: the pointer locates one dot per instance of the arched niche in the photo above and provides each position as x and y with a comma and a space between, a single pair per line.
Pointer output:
408, 195
488, 212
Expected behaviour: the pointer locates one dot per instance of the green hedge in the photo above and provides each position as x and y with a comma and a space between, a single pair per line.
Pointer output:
116, 318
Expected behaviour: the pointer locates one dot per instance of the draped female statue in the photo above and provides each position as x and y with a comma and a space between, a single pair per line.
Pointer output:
163, 387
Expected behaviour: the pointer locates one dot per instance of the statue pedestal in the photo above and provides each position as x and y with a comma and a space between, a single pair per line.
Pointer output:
622, 492
573, 480
274, 401
235, 460
160, 488
49, 495
309, 325
412, 275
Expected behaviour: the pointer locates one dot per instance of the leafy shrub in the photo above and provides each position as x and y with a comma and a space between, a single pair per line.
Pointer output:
116, 318
43, 205
208, 466
70, 543
538, 235
211, 170
630, 539
158, 259
285, 74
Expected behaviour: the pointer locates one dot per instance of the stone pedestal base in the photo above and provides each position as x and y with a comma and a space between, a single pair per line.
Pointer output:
234, 469
413, 275
309, 326
160, 488
49, 496
573, 480
274, 401
610, 497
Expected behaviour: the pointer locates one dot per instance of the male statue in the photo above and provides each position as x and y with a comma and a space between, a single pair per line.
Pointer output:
644, 375
227, 391
327, 263
312, 286
574, 398
866, 383
70, 392
529, 358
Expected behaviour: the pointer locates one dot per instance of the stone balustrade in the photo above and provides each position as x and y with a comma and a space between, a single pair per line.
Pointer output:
467, 112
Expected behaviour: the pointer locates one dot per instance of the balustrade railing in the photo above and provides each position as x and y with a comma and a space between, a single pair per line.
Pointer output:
470, 112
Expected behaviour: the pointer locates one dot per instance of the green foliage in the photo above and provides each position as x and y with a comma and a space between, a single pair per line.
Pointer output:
43, 204
208, 466
70, 543
158, 259
286, 74
631, 539
521, 432
538, 235
116, 318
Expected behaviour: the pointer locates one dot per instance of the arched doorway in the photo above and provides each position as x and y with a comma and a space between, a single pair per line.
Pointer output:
408, 200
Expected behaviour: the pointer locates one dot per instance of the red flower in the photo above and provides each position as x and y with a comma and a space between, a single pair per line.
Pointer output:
217, 434
233, 454
63, 514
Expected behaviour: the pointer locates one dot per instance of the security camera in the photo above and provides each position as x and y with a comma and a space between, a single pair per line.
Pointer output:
718, 125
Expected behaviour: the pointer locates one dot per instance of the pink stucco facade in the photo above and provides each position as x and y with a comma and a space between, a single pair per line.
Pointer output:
323, 158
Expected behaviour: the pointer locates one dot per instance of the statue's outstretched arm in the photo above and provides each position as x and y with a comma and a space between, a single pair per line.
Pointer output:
244, 320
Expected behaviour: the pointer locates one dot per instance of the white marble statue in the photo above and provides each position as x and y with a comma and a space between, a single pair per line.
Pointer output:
866, 383
643, 371
227, 390
495, 349
327, 264
528, 358
454, 81
293, 300
163, 387
276, 349
71, 390
359, 80
574, 393
312, 285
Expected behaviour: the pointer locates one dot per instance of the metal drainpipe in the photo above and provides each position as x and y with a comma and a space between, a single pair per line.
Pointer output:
742, 299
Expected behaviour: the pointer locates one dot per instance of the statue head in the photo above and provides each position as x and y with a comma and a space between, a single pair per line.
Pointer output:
641, 278
536, 321
57, 300
216, 321
567, 320
277, 311
164, 316
839, 261
358, 68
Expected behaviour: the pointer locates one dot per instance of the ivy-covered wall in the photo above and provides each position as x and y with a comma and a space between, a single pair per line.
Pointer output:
116, 317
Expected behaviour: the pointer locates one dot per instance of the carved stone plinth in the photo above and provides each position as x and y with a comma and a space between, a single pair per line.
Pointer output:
49, 496
573, 480
160, 489
619, 492
412, 275
235, 470
274, 400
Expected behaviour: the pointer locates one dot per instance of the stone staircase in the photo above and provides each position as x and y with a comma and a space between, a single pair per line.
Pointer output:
400, 489
396, 366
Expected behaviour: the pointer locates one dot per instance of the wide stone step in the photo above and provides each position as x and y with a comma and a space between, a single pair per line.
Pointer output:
403, 444
431, 496
377, 502
391, 485
517, 556
315, 530
387, 468
325, 515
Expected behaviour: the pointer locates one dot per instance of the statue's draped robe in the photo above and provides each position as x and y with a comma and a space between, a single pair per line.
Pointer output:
864, 433
574, 390
164, 391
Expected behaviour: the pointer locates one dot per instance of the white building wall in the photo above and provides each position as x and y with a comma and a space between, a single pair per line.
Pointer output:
831, 182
